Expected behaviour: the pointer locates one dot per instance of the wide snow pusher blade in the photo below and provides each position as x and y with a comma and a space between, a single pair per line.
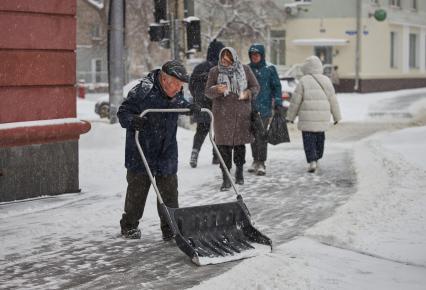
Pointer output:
211, 234
217, 233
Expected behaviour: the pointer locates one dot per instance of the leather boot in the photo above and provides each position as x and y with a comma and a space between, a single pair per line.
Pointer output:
226, 184
239, 178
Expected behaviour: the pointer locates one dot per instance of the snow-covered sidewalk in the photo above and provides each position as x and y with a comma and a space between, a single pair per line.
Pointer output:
377, 240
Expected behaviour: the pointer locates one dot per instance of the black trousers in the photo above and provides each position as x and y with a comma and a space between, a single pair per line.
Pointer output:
313, 144
259, 148
138, 185
239, 154
200, 135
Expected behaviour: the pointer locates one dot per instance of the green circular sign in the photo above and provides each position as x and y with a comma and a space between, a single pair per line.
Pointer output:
380, 14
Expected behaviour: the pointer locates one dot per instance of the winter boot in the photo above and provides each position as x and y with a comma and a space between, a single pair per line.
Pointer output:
226, 184
167, 236
194, 158
215, 159
261, 169
131, 234
239, 178
312, 167
253, 167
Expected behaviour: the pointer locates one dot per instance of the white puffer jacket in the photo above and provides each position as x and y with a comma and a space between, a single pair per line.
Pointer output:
311, 102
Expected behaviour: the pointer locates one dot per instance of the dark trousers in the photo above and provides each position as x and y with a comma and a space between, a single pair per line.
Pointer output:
239, 155
259, 148
200, 135
313, 144
138, 185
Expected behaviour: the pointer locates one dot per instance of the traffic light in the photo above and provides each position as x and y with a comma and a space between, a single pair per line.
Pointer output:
193, 33
160, 10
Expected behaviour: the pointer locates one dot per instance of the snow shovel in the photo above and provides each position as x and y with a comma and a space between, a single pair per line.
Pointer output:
216, 233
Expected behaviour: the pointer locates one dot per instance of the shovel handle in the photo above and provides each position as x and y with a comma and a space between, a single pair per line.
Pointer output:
148, 170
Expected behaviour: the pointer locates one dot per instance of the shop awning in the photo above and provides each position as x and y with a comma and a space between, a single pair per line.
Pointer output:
321, 42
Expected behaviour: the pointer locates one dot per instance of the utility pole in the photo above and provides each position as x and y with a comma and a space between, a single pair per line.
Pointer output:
176, 14
358, 45
115, 57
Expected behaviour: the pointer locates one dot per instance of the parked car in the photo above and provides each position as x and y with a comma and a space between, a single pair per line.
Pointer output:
102, 105
288, 86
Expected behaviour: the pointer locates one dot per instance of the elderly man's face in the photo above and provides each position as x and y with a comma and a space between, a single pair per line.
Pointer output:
170, 85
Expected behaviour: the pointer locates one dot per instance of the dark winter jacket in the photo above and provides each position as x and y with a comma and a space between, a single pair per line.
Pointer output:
270, 85
197, 83
158, 137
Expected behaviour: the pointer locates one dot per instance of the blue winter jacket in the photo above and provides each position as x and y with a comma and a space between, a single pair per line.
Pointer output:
270, 85
158, 137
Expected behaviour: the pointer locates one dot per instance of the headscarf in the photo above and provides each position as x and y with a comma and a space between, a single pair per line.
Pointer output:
234, 75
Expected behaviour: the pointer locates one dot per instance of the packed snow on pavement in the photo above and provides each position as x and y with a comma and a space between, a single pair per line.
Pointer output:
375, 239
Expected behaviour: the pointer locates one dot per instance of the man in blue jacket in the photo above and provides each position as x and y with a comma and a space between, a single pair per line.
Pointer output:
270, 89
160, 89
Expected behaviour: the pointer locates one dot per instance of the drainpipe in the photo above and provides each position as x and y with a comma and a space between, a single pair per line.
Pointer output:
358, 45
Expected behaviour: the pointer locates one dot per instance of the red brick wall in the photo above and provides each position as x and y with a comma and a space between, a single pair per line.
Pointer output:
37, 60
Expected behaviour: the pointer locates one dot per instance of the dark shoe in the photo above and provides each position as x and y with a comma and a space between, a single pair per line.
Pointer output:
194, 158
226, 184
239, 177
167, 236
215, 159
131, 234
254, 166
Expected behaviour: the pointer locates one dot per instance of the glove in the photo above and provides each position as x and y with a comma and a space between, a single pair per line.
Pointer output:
279, 110
138, 123
288, 121
194, 108
335, 122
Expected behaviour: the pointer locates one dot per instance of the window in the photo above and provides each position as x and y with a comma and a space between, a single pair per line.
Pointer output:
414, 5
413, 51
96, 32
278, 49
96, 70
375, 2
226, 3
395, 3
393, 60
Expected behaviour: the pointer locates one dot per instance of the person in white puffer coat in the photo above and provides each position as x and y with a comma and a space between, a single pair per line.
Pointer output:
314, 101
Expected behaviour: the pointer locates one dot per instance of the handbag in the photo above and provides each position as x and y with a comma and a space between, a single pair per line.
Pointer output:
256, 125
278, 131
